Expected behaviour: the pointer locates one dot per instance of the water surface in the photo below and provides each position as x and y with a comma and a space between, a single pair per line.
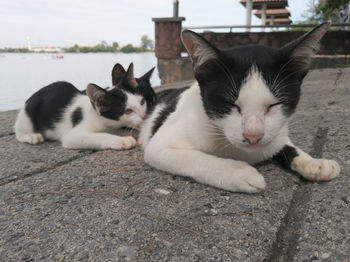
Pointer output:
23, 74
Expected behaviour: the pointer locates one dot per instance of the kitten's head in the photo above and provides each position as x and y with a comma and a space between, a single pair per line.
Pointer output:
127, 101
249, 92
125, 80
118, 105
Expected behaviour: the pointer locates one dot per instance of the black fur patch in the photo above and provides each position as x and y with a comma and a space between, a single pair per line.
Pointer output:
77, 116
285, 156
45, 107
169, 98
144, 89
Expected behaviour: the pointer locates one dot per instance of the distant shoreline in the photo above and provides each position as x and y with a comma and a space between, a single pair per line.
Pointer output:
56, 53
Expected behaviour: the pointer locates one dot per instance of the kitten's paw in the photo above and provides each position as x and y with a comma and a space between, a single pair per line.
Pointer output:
317, 169
34, 139
122, 143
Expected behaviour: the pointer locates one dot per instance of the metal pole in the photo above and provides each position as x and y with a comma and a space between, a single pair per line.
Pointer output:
263, 16
348, 11
249, 8
176, 8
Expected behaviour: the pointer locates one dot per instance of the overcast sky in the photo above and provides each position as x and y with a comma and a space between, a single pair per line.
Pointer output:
88, 22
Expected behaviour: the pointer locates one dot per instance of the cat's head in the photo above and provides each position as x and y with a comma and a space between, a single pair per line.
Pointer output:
125, 80
249, 92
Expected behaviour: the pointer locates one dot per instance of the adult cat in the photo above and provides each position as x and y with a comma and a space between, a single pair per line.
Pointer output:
85, 119
236, 114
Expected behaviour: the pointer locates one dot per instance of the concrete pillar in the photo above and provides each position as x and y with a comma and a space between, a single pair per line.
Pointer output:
263, 16
168, 46
249, 8
167, 37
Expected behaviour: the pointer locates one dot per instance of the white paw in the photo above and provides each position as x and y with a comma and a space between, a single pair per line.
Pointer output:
317, 169
33, 139
122, 143
252, 181
246, 179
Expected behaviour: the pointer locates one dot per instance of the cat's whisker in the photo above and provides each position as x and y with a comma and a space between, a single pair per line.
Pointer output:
229, 76
279, 72
274, 85
295, 72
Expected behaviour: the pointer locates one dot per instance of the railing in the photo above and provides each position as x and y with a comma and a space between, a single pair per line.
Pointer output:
260, 26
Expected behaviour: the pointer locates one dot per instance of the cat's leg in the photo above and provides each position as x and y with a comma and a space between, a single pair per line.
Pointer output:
88, 140
310, 168
235, 176
24, 130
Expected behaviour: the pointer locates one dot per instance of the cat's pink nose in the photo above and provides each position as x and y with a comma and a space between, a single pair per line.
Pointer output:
253, 139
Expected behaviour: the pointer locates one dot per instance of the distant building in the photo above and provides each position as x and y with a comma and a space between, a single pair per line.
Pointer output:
48, 49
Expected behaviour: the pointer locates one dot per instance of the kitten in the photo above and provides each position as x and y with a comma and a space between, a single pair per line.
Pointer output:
236, 114
85, 119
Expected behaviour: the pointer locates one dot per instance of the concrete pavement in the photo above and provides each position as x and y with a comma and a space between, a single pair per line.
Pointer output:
83, 205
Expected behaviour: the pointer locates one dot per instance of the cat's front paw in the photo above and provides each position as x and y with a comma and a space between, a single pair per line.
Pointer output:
34, 139
122, 143
244, 179
252, 181
316, 169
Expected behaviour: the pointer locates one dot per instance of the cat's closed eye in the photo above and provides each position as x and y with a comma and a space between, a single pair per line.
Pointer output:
129, 111
234, 105
143, 100
237, 107
271, 106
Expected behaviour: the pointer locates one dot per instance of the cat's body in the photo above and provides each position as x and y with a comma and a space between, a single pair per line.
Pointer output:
236, 114
86, 119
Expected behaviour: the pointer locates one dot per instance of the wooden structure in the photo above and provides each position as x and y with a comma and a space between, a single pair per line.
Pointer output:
275, 16
264, 6
279, 21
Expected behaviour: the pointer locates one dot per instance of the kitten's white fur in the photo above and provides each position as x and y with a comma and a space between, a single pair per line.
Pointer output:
213, 152
92, 132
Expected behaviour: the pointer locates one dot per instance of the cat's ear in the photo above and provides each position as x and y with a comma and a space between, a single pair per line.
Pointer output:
129, 78
304, 48
100, 98
148, 75
204, 56
118, 73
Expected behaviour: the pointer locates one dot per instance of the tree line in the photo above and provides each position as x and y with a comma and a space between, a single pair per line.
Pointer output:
146, 46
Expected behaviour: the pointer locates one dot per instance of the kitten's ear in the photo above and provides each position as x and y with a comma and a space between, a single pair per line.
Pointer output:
148, 75
100, 98
305, 47
129, 76
118, 73
204, 56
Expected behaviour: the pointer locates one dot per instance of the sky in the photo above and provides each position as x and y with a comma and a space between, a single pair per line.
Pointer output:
63, 23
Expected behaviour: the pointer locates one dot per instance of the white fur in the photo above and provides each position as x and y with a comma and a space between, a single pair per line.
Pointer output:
25, 131
146, 128
214, 151
92, 132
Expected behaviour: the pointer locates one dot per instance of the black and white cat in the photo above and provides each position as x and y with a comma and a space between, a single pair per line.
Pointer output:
86, 119
236, 114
